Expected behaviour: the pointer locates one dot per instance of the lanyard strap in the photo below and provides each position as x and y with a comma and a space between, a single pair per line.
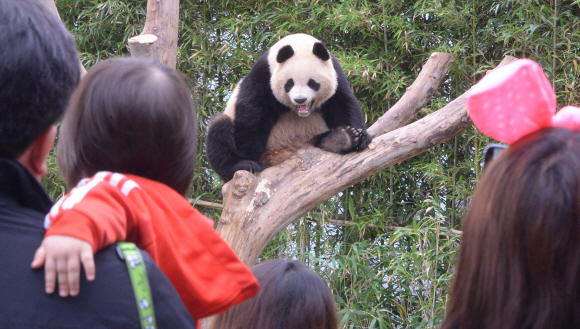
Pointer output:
129, 252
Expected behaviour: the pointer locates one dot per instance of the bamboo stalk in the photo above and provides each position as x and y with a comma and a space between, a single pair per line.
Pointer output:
334, 221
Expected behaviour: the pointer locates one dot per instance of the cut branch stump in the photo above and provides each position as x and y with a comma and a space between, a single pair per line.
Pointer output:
162, 23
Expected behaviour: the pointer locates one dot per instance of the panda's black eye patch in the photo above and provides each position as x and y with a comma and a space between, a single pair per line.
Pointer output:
289, 84
314, 85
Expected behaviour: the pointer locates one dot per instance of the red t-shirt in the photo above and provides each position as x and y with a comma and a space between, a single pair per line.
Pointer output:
112, 207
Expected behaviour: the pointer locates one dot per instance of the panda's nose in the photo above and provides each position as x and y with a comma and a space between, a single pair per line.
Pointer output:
300, 100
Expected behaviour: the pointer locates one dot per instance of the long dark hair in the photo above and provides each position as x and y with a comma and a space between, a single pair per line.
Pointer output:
130, 116
291, 296
519, 260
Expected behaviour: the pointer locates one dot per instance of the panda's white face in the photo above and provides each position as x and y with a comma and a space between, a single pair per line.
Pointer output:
303, 77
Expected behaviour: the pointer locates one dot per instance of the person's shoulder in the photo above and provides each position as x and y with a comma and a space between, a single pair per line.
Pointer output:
106, 302
170, 312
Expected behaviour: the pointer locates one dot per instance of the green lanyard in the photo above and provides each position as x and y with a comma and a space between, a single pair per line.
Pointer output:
129, 252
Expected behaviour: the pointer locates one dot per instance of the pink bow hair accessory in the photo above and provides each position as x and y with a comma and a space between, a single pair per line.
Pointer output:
568, 117
515, 100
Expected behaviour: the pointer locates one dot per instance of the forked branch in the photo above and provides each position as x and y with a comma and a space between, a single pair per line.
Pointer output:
256, 208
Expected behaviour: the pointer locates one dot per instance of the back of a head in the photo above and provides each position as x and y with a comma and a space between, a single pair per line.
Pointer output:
130, 116
39, 70
519, 262
291, 296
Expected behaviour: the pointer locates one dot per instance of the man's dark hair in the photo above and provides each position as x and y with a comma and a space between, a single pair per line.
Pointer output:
39, 69
291, 296
519, 261
130, 116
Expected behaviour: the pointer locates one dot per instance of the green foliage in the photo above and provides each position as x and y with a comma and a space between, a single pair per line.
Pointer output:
53, 181
102, 28
381, 278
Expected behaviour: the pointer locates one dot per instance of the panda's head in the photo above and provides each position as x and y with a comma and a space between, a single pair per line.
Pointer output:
303, 77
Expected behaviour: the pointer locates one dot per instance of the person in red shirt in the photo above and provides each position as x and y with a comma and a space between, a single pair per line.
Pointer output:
131, 127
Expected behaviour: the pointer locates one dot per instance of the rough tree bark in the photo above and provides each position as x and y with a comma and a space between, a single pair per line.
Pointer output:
51, 7
257, 207
158, 41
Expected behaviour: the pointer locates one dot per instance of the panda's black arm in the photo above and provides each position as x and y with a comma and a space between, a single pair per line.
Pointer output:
251, 133
231, 147
256, 111
342, 109
344, 117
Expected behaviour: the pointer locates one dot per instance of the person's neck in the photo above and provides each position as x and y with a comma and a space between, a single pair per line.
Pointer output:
34, 157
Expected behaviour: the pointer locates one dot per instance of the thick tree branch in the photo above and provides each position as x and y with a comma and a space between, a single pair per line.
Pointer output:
145, 46
158, 41
51, 7
256, 208
416, 96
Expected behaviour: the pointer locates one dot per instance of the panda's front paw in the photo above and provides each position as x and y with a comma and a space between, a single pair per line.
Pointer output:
345, 139
360, 138
249, 165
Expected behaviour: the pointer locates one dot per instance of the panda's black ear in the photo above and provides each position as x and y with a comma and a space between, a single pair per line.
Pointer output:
284, 53
320, 51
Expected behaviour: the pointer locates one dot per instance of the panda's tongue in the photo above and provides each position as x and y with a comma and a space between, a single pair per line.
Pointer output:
303, 110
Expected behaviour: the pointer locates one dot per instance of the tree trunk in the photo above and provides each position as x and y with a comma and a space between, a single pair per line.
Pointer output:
158, 41
257, 207
51, 7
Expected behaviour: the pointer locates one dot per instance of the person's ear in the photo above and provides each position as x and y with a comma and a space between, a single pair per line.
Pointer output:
34, 158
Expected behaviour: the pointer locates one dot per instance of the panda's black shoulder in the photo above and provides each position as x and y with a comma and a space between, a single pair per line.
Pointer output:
343, 96
343, 105
343, 87
258, 79
255, 92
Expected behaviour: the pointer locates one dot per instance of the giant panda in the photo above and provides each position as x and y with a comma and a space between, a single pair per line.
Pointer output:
295, 93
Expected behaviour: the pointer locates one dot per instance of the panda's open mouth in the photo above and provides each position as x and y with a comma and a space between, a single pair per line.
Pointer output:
304, 109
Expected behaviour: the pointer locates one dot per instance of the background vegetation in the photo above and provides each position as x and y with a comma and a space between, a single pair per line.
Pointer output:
382, 276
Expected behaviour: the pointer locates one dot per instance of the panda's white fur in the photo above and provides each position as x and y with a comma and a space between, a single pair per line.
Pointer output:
231, 105
296, 93
290, 133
